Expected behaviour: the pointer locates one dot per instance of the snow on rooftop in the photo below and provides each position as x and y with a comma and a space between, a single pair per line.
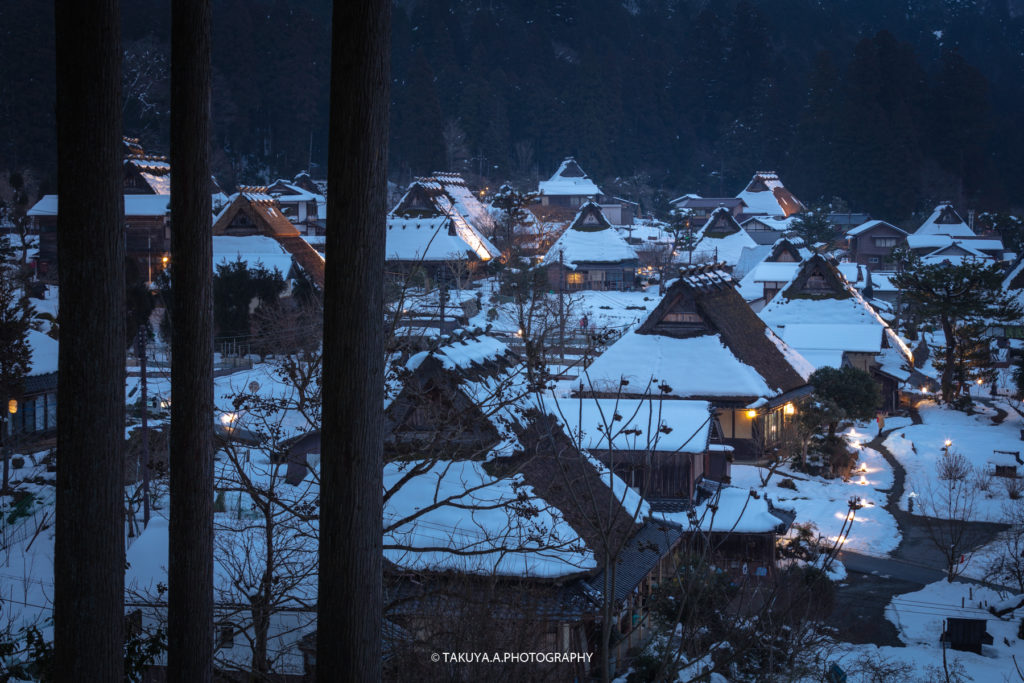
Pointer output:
764, 202
571, 185
791, 354
771, 222
663, 425
860, 338
726, 249
483, 525
463, 354
945, 212
466, 203
430, 239
134, 205
596, 246
730, 510
864, 227
821, 328
252, 249
773, 271
690, 368
632, 502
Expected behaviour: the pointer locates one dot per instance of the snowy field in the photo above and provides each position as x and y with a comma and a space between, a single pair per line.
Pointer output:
919, 449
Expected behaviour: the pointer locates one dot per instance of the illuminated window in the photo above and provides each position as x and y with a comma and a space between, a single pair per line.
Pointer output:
574, 278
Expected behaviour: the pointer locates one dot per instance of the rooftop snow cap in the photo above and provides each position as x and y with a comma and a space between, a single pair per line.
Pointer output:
570, 180
944, 220
590, 239
702, 341
765, 194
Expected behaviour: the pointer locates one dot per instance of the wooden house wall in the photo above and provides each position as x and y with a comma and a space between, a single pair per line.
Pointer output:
861, 361
147, 239
597, 276
867, 253
572, 201
752, 437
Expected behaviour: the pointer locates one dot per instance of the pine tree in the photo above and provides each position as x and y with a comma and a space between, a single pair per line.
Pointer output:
960, 299
15, 354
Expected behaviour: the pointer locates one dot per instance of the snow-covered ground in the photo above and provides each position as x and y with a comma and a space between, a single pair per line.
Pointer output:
825, 502
920, 448
919, 618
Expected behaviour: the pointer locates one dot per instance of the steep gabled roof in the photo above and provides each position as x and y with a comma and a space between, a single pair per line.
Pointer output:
590, 238
817, 278
265, 214
569, 180
829, 318
702, 341
944, 220
435, 238
1015, 278
481, 382
957, 251
722, 239
464, 201
590, 218
418, 200
765, 194
446, 194
719, 224
792, 248
260, 207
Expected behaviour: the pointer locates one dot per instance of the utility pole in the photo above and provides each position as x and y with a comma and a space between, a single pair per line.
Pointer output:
561, 305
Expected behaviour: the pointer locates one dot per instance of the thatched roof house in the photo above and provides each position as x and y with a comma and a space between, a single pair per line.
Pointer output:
252, 211
826, 319
765, 194
704, 342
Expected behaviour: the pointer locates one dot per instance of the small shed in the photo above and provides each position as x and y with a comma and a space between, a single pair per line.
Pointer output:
966, 635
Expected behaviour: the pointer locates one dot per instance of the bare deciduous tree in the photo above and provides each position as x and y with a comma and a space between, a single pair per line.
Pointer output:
947, 507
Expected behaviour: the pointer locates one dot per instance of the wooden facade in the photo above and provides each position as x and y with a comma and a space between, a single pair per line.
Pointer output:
147, 234
872, 244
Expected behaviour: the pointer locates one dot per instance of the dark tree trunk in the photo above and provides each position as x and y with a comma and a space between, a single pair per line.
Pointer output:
89, 554
190, 575
350, 598
950, 360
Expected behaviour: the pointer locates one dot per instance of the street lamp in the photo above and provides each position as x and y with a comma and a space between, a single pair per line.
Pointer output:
945, 446
12, 408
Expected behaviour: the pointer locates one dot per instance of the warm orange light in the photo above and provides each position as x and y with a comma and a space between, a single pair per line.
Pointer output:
12, 406
790, 409
751, 414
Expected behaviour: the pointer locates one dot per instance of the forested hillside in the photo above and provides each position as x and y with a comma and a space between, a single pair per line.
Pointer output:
889, 105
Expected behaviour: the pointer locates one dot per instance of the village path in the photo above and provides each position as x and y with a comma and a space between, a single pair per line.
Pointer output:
916, 550
875, 579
